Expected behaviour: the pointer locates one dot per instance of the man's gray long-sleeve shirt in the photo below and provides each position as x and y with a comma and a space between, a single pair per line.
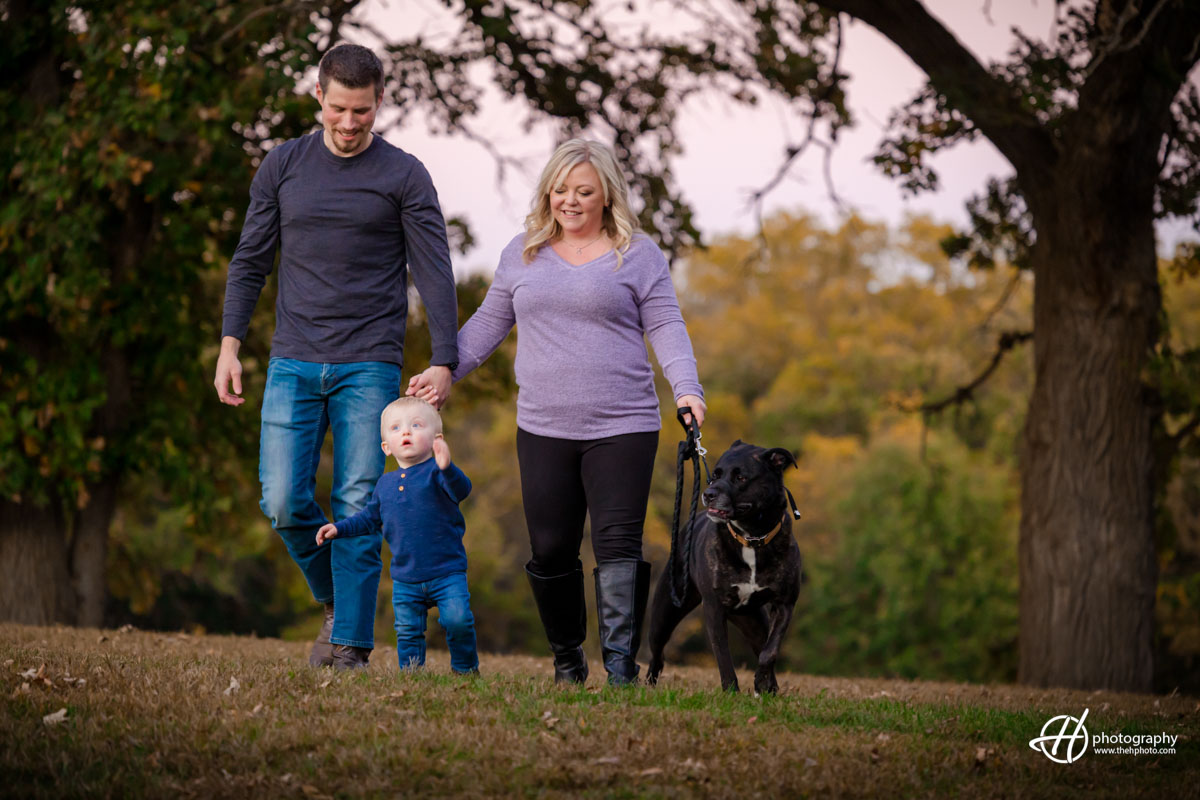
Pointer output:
348, 230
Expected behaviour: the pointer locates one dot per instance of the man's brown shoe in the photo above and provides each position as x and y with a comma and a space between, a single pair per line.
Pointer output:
322, 650
347, 657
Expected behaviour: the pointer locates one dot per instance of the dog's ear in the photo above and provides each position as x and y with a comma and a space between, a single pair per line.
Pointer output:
779, 458
736, 442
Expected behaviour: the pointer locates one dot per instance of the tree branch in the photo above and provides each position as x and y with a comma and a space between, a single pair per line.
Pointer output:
962, 394
1187, 430
956, 74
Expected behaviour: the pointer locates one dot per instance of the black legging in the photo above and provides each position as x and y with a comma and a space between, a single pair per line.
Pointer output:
562, 480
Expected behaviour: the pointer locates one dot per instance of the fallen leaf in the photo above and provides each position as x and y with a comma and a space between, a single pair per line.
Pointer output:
882, 737
56, 717
691, 763
233, 686
9, 662
810, 762
326, 683
652, 771
582, 723
257, 708
126, 629
396, 695
752, 720
606, 760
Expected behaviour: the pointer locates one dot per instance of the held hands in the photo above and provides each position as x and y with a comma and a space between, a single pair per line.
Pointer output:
432, 386
441, 452
696, 405
328, 531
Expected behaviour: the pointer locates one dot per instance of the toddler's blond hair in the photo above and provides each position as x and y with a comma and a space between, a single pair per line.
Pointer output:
403, 402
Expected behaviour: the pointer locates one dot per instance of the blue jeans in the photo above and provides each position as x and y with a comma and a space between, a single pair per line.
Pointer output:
413, 601
302, 401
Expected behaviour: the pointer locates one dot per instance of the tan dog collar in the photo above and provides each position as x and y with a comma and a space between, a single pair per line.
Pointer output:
757, 541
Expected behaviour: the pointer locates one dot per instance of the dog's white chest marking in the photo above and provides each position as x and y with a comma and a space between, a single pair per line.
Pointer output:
747, 590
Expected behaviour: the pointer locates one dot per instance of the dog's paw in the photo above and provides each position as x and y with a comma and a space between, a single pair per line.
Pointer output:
766, 684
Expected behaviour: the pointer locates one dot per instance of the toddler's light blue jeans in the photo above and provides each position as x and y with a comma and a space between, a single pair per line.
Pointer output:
413, 601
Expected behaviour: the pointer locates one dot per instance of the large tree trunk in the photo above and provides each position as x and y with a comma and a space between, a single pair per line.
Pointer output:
35, 585
89, 554
1087, 554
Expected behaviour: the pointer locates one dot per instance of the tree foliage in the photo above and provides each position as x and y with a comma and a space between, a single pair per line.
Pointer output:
121, 184
132, 130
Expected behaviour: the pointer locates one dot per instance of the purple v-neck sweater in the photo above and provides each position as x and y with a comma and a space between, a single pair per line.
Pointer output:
582, 367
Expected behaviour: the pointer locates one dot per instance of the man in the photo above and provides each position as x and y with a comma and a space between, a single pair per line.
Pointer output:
350, 215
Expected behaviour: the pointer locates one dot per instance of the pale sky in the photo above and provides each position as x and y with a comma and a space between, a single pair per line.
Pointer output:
729, 150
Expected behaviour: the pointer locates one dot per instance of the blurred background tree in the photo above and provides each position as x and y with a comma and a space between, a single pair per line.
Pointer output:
131, 132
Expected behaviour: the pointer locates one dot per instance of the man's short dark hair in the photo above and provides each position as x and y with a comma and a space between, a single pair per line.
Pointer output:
353, 66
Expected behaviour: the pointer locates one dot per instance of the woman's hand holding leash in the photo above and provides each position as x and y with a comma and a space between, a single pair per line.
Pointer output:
697, 408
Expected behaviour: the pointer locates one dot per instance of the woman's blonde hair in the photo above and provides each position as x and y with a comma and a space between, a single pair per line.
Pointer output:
619, 222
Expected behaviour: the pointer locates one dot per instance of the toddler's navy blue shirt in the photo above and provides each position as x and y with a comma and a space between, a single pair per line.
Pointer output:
417, 509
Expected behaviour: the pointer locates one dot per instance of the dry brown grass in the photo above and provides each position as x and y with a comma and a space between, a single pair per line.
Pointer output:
157, 715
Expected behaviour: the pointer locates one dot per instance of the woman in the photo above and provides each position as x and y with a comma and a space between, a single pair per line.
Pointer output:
584, 288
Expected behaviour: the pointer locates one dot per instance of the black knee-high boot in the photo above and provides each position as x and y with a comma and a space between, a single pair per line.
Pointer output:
622, 588
563, 610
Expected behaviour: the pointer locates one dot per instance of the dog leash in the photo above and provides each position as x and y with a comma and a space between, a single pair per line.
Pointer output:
681, 550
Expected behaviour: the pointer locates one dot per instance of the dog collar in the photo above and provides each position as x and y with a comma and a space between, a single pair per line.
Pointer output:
755, 541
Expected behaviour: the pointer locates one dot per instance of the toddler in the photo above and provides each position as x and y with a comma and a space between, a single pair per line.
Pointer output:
417, 508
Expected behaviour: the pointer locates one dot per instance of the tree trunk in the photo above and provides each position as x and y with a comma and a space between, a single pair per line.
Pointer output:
35, 586
1087, 554
89, 554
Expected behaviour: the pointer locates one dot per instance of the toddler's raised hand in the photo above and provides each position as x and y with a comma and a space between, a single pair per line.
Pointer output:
328, 531
441, 452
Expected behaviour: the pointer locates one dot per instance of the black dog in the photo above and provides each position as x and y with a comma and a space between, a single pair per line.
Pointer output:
744, 565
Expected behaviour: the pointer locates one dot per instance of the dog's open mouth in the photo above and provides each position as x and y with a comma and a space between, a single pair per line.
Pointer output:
719, 514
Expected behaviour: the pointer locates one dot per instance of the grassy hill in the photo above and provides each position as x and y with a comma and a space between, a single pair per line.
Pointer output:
90, 713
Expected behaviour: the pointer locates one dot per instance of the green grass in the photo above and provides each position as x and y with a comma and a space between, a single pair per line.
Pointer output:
156, 717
